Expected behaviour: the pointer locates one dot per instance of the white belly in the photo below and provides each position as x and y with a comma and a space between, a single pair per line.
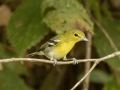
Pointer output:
50, 53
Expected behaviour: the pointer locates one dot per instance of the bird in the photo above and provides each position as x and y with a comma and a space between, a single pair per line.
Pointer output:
60, 45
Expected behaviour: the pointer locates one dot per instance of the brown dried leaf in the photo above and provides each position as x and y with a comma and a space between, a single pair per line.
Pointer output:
5, 15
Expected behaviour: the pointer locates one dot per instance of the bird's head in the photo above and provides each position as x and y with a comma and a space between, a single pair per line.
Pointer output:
75, 35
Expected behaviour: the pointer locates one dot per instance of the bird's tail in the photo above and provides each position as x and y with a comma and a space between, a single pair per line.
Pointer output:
32, 54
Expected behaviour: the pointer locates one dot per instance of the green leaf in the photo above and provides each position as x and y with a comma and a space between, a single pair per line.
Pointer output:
21, 69
10, 81
96, 76
26, 27
95, 9
2, 51
111, 84
5, 53
106, 11
99, 76
103, 46
62, 15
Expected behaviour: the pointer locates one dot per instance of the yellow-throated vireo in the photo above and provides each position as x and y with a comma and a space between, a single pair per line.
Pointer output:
59, 46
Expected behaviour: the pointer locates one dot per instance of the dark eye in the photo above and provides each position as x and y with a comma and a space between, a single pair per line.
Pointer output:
76, 34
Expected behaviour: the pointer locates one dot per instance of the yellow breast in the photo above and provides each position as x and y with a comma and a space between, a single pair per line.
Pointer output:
63, 49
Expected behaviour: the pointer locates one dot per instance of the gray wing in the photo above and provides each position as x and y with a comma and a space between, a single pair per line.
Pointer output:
52, 42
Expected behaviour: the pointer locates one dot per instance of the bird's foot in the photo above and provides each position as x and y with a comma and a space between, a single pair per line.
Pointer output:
55, 62
75, 61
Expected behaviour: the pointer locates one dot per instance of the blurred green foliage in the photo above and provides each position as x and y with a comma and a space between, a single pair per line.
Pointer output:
34, 19
103, 46
26, 27
112, 84
30, 26
9, 80
61, 16
97, 76
101, 76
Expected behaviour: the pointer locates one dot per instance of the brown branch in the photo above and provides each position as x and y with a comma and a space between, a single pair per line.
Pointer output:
87, 64
59, 62
96, 61
88, 51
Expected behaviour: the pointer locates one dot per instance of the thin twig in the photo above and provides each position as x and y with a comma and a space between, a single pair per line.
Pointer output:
59, 62
95, 63
87, 64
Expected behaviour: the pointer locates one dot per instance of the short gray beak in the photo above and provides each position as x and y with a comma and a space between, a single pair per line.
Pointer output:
85, 39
